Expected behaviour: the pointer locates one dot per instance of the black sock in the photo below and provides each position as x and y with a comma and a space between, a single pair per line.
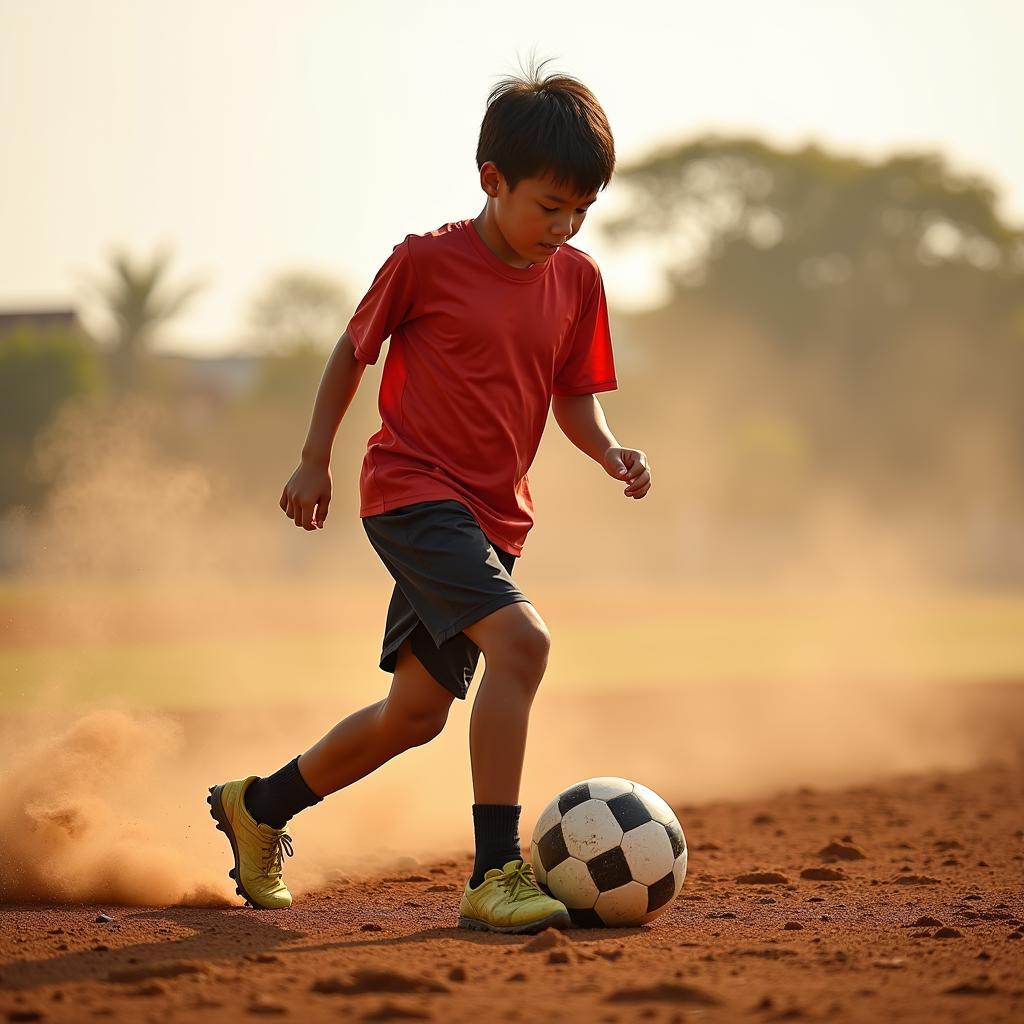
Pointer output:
497, 837
273, 800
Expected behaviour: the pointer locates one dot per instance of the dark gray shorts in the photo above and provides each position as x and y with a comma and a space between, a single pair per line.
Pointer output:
447, 576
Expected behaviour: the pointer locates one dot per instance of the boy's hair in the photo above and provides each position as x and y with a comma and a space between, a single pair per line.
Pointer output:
554, 125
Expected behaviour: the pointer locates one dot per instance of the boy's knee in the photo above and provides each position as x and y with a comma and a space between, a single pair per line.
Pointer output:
535, 643
521, 645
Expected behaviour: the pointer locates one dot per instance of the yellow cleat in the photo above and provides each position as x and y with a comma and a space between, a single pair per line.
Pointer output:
509, 900
258, 849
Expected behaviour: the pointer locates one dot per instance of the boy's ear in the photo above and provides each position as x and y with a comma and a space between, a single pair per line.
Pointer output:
490, 178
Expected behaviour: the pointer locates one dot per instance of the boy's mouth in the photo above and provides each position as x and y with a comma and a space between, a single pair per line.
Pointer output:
548, 247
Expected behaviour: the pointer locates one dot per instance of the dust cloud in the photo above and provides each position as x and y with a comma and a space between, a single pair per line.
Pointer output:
109, 807
86, 814
147, 577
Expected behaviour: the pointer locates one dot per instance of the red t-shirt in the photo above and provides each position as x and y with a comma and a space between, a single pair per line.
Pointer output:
478, 348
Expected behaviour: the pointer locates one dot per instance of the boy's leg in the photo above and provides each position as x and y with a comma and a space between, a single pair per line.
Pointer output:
502, 894
414, 712
515, 644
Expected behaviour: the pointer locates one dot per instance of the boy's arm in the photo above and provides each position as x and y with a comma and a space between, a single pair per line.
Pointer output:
581, 418
337, 388
307, 495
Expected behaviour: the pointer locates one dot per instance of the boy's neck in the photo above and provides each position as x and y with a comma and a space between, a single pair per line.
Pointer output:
489, 231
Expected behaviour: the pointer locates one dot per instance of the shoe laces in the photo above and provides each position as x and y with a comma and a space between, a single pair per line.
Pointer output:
273, 854
519, 882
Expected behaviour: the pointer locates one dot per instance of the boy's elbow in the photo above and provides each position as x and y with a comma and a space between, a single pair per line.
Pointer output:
346, 351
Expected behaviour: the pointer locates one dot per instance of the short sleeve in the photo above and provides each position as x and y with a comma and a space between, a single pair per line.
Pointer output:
386, 305
589, 365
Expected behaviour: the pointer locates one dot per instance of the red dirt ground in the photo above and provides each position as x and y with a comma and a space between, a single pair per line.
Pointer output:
925, 926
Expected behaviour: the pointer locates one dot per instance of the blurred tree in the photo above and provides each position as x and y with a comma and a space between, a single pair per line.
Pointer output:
299, 309
139, 301
293, 321
811, 243
40, 369
877, 309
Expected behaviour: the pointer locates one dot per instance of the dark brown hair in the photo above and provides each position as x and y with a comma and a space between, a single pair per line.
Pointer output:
535, 125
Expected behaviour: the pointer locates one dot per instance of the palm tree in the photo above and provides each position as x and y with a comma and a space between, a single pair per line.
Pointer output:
139, 302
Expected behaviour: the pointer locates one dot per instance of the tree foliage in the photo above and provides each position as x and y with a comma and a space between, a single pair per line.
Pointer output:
139, 300
813, 243
299, 309
40, 370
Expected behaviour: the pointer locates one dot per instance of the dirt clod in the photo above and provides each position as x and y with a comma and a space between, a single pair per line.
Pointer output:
665, 993
839, 850
824, 875
371, 980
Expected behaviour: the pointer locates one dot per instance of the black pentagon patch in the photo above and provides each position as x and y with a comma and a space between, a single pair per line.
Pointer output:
610, 869
629, 811
588, 918
573, 796
661, 892
552, 848
675, 835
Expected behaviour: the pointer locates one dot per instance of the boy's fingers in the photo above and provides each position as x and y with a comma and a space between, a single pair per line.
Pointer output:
321, 510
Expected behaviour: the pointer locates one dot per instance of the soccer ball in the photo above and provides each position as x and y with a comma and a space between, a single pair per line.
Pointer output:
611, 850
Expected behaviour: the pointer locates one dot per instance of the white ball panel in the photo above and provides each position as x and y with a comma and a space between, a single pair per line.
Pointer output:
679, 870
648, 851
624, 906
590, 829
606, 786
538, 866
571, 883
660, 810
549, 818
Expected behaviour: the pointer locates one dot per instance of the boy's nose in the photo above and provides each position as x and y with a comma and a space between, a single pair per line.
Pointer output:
565, 232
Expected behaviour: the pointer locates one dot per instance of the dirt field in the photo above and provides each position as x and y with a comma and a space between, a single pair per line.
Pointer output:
117, 711
896, 901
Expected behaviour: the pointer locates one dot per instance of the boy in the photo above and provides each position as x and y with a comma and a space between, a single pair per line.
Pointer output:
492, 320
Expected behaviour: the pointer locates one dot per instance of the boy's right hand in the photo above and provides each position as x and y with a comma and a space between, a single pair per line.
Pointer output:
307, 495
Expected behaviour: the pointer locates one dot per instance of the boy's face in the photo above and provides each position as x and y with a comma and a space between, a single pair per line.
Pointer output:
536, 217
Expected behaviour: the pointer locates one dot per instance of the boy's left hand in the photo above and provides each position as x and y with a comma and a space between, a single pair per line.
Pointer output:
630, 466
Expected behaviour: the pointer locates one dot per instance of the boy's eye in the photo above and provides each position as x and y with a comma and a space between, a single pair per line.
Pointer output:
554, 209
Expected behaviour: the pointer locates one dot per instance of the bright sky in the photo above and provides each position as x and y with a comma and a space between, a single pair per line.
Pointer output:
255, 135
